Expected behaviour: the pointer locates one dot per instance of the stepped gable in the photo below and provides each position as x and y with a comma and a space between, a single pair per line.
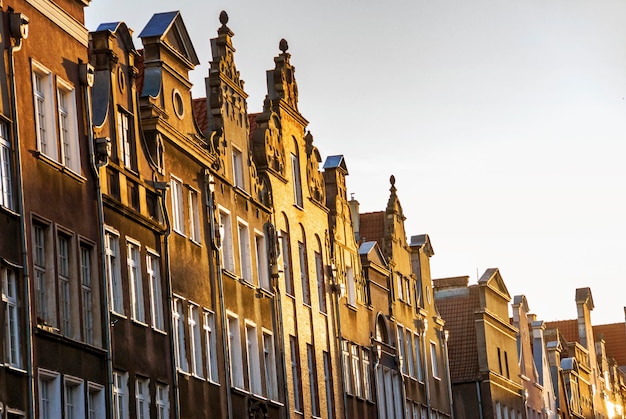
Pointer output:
281, 81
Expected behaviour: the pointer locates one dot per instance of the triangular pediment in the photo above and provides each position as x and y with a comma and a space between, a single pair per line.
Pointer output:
372, 252
493, 280
170, 29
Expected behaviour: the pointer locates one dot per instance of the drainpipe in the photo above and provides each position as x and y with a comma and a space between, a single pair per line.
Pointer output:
19, 33
480, 400
447, 365
427, 374
215, 246
336, 288
96, 162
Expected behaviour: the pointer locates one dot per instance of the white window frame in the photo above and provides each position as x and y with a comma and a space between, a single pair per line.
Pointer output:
234, 350
226, 232
178, 211
238, 172
142, 398
285, 250
68, 125
304, 273
114, 271
6, 182
402, 349
73, 398
434, 360
49, 395
211, 346
194, 217
296, 374
315, 401
43, 268
124, 138
321, 286
243, 237
328, 384
347, 371
410, 361
262, 264
253, 361
367, 379
96, 407
269, 364
419, 363
178, 312
153, 268
351, 286
45, 124
133, 261
162, 401
355, 353
195, 340
297, 183
12, 325
120, 395
64, 272
87, 292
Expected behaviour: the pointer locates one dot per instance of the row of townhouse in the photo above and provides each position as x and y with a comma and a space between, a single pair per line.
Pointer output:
163, 256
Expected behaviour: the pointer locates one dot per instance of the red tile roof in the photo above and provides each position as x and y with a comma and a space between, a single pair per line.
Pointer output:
252, 122
199, 113
614, 336
372, 226
567, 328
458, 313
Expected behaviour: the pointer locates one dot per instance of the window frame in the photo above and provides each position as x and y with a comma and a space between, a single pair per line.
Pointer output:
73, 387
239, 179
227, 249
178, 314
245, 257
304, 273
6, 180
68, 133
195, 340
135, 279
234, 350
114, 271
262, 263
178, 206
47, 381
153, 269
195, 230
44, 109
142, 398
297, 181
210, 340
253, 361
269, 365
10, 298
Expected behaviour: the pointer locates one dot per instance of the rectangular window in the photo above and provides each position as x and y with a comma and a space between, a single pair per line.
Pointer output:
296, 379
74, 398
125, 139
407, 290
211, 348
86, 282
194, 217
321, 287
410, 362
367, 380
162, 401
179, 335
234, 351
132, 194
44, 112
136, 283
351, 285
113, 183
156, 293
304, 274
226, 234
262, 266
402, 350
63, 266
245, 269
6, 184
433, 357
120, 395
297, 185
285, 247
315, 402
142, 398
418, 357
112, 250
399, 285
254, 367
178, 214
95, 401
49, 395
238, 177
12, 328
345, 363
269, 363
68, 126
195, 343
44, 283
356, 371
328, 385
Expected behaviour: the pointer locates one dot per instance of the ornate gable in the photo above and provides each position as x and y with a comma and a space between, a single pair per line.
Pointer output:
281, 81
267, 143
394, 222
315, 178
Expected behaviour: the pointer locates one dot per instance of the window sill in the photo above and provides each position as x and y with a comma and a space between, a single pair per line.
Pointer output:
196, 242
118, 315
265, 292
58, 166
14, 369
159, 331
352, 306
9, 211
140, 323
179, 232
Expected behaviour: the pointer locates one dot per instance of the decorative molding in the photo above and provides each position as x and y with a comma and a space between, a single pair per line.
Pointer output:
74, 28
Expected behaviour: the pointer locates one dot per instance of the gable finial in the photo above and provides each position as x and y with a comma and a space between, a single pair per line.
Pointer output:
223, 17
283, 45
392, 180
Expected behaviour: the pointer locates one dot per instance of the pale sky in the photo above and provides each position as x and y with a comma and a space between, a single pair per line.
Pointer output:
504, 123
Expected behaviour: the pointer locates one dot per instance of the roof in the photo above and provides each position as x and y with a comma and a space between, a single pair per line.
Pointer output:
335, 162
158, 24
567, 328
170, 26
200, 113
458, 314
366, 247
614, 336
372, 226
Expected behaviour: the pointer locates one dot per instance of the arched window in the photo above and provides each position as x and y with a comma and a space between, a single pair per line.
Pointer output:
295, 173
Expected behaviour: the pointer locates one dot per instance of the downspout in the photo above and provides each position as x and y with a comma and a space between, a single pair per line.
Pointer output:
24, 242
447, 365
168, 284
95, 164
336, 288
427, 374
480, 400
210, 184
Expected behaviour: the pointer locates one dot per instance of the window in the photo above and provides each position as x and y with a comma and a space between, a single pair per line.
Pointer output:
367, 381
234, 351
74, 398
402, 350
211, 348
6, 185
142, 398
356, 371
261, 260
12, 328
195, 343
407, 289
112, 250
120, 395
125, 139
499, 361
113, 183
44, 112
345, 364
315, 402
285, 248
254, 368
238, 169
68, 126
46, 302
506, 364
419, 368
304, 274
179, 336
156, 293
95, 401
245, 269
409, 353
296, 379
132, 194
321, 288
194, 217
297, 185
136, 283
399, 285
351, 286
269, 363
65, 308
87, 293
328, 384
435, 362
226, 234
162, 401
178, 214
49, 395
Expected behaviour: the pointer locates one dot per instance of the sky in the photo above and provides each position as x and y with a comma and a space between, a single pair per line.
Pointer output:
503, 122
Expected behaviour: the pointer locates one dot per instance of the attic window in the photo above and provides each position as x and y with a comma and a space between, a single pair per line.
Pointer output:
121, 79
179, 107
